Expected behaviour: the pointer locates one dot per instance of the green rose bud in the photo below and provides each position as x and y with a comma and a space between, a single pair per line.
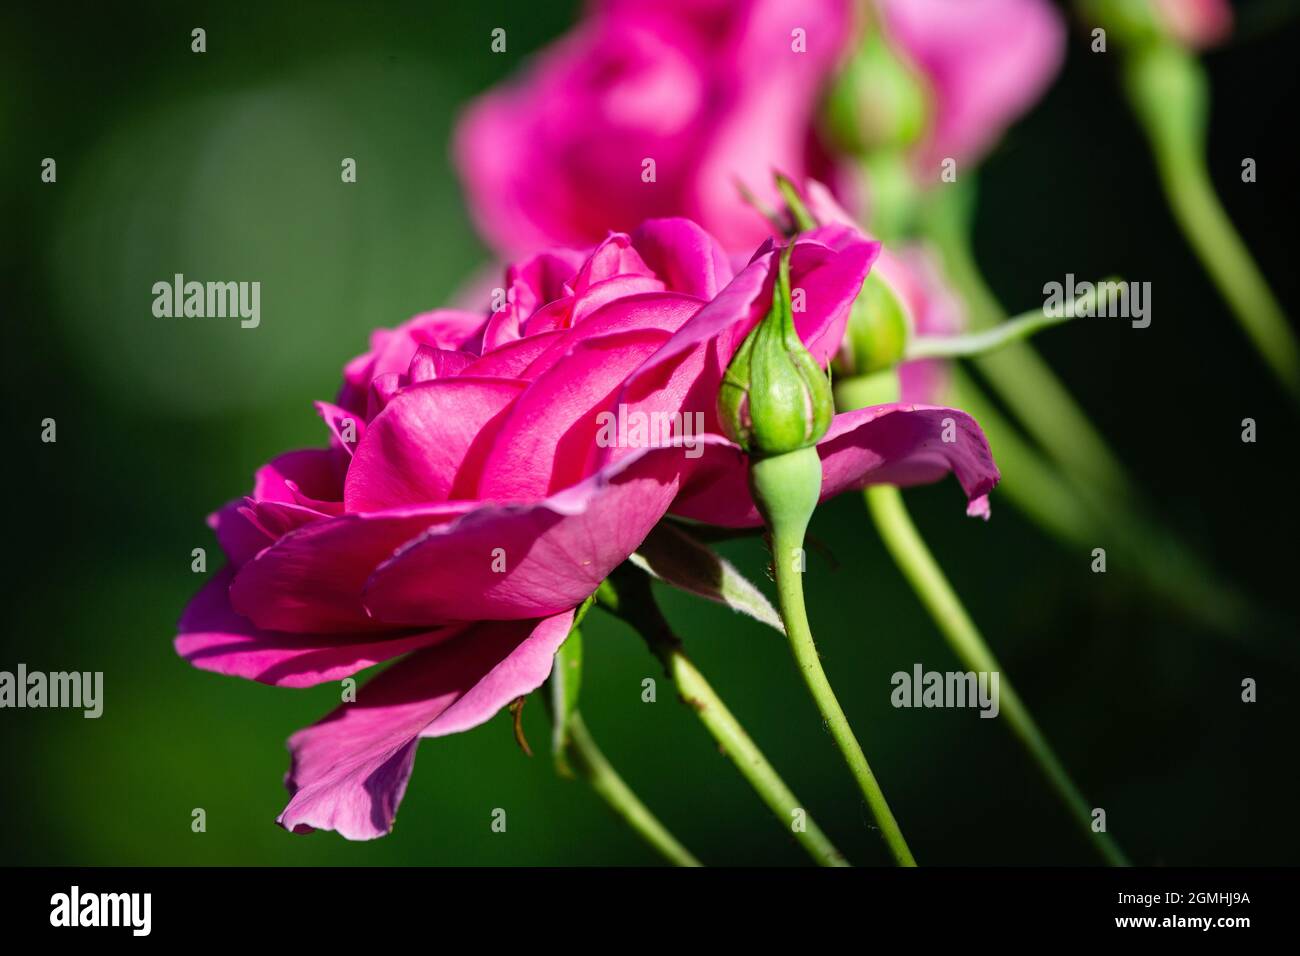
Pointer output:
774, 397
878, 330
877, 102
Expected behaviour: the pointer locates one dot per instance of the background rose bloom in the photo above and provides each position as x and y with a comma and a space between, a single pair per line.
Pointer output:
713, 91
1197, 23
467, 503
985, 63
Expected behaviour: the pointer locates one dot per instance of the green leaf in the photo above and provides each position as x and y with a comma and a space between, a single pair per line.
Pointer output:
676, 558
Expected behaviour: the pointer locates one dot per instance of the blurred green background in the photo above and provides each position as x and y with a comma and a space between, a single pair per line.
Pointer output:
226, 165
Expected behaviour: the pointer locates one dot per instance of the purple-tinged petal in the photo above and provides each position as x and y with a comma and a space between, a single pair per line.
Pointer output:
350, 771
317, 472
311, 579
239, 536
884, 444
346, 428
214, 638
525, 560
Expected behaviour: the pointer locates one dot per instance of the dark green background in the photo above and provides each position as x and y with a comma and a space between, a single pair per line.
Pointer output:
227, 165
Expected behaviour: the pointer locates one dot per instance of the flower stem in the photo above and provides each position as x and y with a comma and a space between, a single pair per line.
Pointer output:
918, 565
627, 594
786, 488
1225, 257
1169, 92
586, 760
1019, 374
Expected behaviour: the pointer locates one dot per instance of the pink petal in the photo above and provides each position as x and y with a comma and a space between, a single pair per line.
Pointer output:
614, 256
318, 472
665, 311
525, 560
987, 62
341, 424
350, 771
684, 256
310, 580
213, 637
391, 349
427, 436
828, 275
885, 444
239, 536
429, 363
511, 359
549, 437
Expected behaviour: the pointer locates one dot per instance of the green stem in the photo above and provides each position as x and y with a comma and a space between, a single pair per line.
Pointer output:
1026, 383
627, 594
931, 585
988, 340
781, 486
1169, 92
586, 760
1225, 257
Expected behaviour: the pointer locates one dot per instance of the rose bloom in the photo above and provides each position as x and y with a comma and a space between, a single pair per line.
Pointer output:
469, 499
714, 92
984, 63
1195, 23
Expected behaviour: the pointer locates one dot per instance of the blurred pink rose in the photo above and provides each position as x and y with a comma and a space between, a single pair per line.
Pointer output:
1195, 23
986, 62
474, 494
715, 92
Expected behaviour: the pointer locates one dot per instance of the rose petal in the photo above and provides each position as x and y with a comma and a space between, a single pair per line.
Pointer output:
549, 438
684, 256
430, 438
310, 580
349, 772
884, 444
391, 349
526, 560
214, 638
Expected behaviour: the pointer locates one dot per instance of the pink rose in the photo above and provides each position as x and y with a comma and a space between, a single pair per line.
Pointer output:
1195, 23
985, 61
714, 92
486, 473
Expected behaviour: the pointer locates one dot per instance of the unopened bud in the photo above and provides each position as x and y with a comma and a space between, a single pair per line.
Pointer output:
877, 102
775, 398
878, 330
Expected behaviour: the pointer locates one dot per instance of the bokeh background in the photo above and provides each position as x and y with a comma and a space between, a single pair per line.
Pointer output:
226, 165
